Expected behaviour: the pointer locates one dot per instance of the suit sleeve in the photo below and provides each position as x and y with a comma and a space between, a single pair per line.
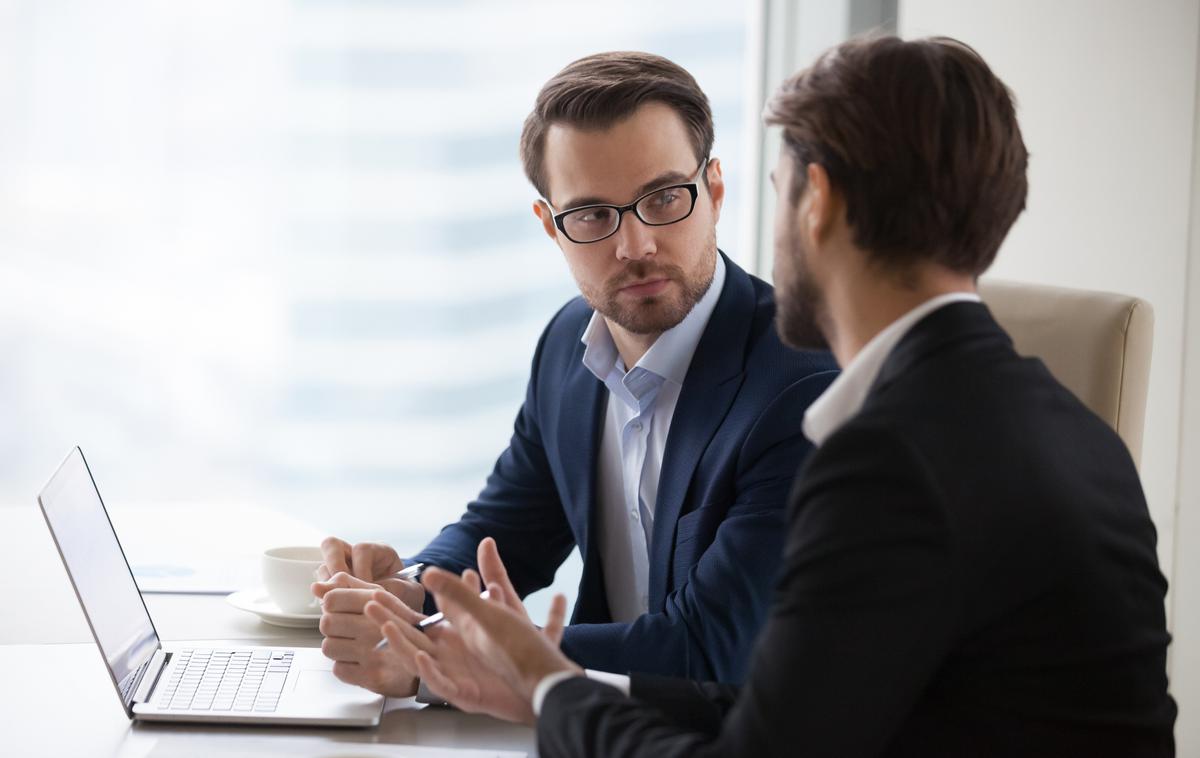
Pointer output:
863, 616
708, 623
519, 507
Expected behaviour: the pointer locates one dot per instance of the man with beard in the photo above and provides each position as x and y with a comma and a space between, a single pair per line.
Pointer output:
970, 566
660, 430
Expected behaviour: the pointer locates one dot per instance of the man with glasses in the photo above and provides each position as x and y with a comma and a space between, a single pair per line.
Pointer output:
661, 428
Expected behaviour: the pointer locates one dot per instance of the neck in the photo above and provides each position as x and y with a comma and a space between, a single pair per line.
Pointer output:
630, 346
867, 301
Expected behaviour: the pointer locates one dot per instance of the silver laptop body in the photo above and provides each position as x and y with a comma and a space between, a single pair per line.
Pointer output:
156, 682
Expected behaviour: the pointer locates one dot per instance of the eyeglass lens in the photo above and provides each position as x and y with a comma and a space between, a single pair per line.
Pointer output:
666, 206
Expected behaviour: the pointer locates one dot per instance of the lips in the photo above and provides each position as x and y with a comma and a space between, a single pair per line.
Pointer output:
647, 288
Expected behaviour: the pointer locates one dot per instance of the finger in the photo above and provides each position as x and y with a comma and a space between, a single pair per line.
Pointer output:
350, 673
407, 638
556, 620
459, 597
472, 579
497, 594
348, 626
342, 600
493, 570
506, 597
341, 580
336, 554
379, 614
410, 592
361, 563
396, 607
428, 670
346, 651
322, 573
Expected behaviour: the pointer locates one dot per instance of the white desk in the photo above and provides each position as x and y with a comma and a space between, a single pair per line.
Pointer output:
57, 700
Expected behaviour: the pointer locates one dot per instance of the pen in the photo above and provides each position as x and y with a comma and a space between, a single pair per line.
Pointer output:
409, 572
427, 622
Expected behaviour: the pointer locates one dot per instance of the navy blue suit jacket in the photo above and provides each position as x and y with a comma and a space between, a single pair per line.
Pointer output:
733, 449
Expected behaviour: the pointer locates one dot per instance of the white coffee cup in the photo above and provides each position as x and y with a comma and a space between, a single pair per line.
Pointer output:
288, 574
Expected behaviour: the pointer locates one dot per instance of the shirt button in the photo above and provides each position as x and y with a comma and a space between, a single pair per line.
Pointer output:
636, 426
633, 515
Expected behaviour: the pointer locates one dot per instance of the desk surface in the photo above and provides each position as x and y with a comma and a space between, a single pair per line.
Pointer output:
57, 699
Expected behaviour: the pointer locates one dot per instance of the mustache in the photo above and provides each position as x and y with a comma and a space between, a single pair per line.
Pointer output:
639, 271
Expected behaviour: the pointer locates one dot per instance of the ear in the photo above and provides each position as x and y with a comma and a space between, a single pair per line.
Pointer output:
716, 186
542, 211
820, 206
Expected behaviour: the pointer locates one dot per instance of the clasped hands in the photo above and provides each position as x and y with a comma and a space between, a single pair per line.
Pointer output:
486, 658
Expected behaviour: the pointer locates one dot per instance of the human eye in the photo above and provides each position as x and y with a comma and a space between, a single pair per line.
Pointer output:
666, 198
597, 216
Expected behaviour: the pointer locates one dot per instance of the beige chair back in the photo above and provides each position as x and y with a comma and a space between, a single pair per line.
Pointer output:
1096, 343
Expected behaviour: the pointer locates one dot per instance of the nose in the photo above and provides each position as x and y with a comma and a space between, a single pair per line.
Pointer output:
634, 239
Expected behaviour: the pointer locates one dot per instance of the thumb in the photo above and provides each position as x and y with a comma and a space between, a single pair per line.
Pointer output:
340, 580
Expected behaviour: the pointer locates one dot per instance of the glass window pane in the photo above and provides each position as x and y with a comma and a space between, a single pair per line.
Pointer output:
283, 252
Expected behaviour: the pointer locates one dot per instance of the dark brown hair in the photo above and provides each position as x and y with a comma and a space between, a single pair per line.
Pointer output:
921, 140
597, 91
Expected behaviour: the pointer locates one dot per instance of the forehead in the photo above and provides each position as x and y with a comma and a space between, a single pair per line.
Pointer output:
611, 164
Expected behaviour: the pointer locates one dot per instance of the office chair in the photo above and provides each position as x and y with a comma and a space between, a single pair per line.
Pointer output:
1097, 344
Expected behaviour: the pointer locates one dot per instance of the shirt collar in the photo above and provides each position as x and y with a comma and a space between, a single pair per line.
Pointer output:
845, 397
671, 354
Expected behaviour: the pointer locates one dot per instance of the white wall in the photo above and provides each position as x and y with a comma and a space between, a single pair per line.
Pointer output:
1106, 93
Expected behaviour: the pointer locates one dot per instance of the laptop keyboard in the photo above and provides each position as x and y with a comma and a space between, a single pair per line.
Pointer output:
226, 680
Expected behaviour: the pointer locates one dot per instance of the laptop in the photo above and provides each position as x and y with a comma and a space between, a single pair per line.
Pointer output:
177, 683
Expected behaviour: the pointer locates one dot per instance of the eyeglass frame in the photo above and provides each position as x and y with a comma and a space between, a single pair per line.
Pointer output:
692, 187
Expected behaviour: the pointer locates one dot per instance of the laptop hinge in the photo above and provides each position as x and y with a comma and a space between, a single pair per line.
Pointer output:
145, 688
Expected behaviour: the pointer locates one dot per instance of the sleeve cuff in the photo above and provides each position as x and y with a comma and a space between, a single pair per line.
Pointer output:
543, 688
619, 681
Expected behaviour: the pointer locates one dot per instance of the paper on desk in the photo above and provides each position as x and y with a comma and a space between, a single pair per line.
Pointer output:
203, 548
314, 747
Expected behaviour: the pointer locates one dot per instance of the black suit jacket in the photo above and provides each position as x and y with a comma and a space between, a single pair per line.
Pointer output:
969, 570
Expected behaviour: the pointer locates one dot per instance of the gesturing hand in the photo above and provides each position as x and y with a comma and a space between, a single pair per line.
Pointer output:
500, 637
448, 666
456, 669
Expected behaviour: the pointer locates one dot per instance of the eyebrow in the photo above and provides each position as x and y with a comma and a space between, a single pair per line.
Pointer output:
662, 180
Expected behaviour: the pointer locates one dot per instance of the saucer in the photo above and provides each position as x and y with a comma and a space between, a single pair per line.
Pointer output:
258, 602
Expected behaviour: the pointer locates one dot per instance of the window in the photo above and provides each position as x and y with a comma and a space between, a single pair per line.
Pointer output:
283, 253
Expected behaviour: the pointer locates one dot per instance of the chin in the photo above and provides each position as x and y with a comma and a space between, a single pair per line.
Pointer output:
651, 315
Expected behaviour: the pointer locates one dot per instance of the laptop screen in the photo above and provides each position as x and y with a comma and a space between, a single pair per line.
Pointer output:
97, 567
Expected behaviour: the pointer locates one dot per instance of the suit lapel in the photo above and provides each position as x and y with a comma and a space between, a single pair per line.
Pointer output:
578, 439
711, 384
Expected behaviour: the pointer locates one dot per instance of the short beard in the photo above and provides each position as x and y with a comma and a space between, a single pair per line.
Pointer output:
800, 309
657, 314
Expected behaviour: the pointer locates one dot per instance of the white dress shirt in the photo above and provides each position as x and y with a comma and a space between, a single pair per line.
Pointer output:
843, 399
640, 406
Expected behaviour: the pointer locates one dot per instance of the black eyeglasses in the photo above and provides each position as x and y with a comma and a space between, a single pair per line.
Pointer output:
660, 207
